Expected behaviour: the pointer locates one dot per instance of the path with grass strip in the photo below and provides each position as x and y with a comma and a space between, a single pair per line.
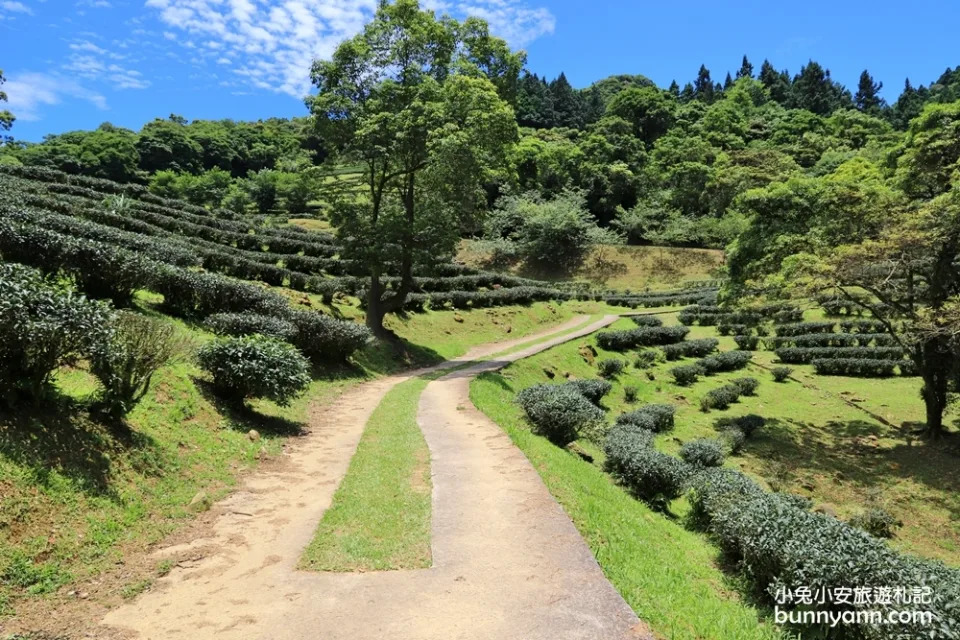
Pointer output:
507, 561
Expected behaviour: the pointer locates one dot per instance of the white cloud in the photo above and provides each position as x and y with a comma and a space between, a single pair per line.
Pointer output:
86, 45
275, 41
28, 93
97, 64
11, 6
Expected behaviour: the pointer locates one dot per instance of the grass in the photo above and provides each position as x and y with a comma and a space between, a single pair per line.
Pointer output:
380, 516
624, 267
665, 572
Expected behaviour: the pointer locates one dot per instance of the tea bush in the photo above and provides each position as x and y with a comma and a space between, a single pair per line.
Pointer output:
876, 521
690, 348
861, 367
592, 390
647, 321
245, 324
646, 358
747, 386
558, 412
43, 326
806, 355
687, 374
656, 418
630, 393
323, 338
610, 367
703, 452
255, 367
624, 339
747, 343
780, 374
720, 398
649, 474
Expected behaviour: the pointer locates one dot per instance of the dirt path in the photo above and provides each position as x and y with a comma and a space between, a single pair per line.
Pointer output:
508, 561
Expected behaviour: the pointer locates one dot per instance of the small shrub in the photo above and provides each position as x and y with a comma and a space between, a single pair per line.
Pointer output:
558, 412
748, 386
749, 424
649, 474
255, 367
126, 362
652, 417
610, 367
747, 343
690, 348
592, 390
703, 452
630, 393
734, 439
686, 374
647, 321
245, 324
720, 398
876, 521
646, 358
325, 339
780, 374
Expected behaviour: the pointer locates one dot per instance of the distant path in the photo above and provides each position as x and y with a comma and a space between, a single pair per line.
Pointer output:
508, 562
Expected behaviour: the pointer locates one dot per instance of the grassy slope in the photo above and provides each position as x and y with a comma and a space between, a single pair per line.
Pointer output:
627, 267
78, 498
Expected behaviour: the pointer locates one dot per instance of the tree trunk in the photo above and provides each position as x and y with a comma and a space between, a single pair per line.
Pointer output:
375, 307
935, 370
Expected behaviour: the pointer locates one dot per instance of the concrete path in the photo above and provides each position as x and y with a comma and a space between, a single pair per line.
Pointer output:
508, 563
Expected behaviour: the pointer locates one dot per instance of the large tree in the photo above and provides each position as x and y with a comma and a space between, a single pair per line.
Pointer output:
868, 97
421, 103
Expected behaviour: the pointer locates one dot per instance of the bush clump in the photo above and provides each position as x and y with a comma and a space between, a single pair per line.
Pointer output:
781, 374
720, 398
686, 374
703, 452
255, 367
747, 343
656, 418
610, 367
325, 339
876, 521
630, 393
646, 358
43, 326
558, 412
592, 390
624, 339
690, 348
748, 386
649, 474
126, 362
647, 321
246, 324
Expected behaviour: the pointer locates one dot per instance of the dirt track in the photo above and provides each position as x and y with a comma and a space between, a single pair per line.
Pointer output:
508, 563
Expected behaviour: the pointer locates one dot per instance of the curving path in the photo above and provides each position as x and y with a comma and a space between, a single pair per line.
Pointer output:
508, 562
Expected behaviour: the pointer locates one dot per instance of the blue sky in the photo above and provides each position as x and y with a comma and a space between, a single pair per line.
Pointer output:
72, 64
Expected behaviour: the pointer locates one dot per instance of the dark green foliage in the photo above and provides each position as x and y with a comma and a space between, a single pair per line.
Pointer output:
325, 339
734, 439
720, 398
725, 361
747, 425
558, 412
630, 393
611, 367
833, 340
43, 326
649, 474
245, 324
861, 367
126, 362
657, 418
646, 358
805, 328
780, 374
647, 321
775, 541
747, 343
703, 452
663, 298
687, 374
876, 521
255, 367
592, 390
748, 386
622, 340
191, 294
806, 355
690, 348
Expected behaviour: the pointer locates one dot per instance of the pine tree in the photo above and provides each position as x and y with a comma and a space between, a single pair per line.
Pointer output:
815, 91
778, 83
674, 89
534, 106
746, 69
727, 82
568, 106
908, 106
688, 94
868, 97
703, 88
